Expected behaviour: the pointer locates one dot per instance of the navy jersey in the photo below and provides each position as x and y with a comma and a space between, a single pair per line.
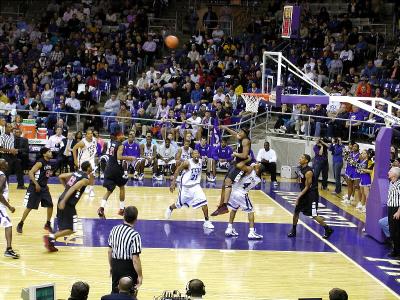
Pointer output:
302, 174
240, 150
42, 175
74, 179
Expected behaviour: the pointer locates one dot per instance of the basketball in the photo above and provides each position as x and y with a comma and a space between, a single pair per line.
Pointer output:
171, 41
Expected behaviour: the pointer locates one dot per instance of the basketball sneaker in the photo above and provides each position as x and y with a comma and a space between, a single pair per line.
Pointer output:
10, 253
141, 177
20, 226
212, 178
292, 233
230, 231
100, 213
207, 224
49, 243
254, 236
222, 209
168, 213
47, 227
359, 206
121, 212
101, 175
328, 233
159, 178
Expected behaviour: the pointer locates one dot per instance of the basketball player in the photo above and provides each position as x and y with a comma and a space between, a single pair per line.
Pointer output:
307, 200
104, 157
87, 152
4, 204
184, 153
234, 173
75, 184
190, 192
38, 191
132, 148
148, 155
240, 198
114, 175
204, 150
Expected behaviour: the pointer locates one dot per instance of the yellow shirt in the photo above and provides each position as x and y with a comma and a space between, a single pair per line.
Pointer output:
239, 90
4, 99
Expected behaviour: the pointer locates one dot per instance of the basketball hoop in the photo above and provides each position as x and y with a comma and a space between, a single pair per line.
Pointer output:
252, 100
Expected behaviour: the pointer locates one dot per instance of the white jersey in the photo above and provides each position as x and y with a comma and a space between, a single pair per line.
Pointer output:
192, 175
5, 190
148, 152
186, 154
88, 152
246, 183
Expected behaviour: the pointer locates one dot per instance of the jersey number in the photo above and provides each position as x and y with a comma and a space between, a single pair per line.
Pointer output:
71, 181
111, 151
195, 174
246, 185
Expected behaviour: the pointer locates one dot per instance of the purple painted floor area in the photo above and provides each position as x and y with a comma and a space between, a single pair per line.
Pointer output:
191, 235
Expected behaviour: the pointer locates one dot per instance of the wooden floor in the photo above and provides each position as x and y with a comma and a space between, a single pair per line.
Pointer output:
228, 274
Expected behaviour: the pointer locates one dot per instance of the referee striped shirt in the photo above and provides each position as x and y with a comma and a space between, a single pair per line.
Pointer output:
7, 141
124, 242
394, 194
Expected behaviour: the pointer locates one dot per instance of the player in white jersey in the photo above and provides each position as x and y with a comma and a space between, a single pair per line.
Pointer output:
190, 192
4, 204
239, 198
87, 152
148, 154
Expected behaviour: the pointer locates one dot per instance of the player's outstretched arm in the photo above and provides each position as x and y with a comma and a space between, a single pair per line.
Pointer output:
231, 131
182, 166
75, 151
77, 186
64, 178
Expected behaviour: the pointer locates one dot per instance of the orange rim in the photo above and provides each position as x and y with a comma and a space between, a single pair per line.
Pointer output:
264, 97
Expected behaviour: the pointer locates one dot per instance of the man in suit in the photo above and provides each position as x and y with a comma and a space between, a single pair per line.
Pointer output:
22, 145
126, 290
64, 157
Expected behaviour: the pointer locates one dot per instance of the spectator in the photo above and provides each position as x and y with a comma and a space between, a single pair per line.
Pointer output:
337, 294
22, 145
149, 48
54, 143
126, 290
210, 20
152, 109
166, 159
112, 106
47, 95
336, 127
79, 291
370, 70
193, 54
223, 155
65, 157
123, 119
336, 149
267, 157
320, 162
319, 120
72, 104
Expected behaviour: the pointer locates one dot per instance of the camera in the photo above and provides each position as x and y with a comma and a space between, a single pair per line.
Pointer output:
171, 295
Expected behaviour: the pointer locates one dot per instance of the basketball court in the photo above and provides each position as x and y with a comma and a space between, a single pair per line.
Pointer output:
179, 249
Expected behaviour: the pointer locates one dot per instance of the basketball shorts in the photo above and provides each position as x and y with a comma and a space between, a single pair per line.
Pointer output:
223, 165
114, 178
5, 221
308, 204
67, 218
240, 201
148, 162
162, 163
234, 173
191, 196
33, 198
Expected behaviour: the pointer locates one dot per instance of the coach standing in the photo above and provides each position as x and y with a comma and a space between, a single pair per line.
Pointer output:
125, 247
393, 204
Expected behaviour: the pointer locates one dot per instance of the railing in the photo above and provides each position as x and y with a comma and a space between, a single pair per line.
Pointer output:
225, 25
155, 24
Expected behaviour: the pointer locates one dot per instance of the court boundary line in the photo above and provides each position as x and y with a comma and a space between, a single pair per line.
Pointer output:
335, 248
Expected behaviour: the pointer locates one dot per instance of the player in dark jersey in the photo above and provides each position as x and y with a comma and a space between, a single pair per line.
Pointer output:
114, 175
75, 184
38, 191
307, 200
234, 174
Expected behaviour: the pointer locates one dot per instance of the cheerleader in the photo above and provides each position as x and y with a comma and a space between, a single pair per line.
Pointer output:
364, 168
352, 176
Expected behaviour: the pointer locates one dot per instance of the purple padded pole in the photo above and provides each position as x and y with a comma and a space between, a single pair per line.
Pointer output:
305, 99
376, 203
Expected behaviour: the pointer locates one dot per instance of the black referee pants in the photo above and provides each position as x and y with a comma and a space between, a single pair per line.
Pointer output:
121, 268
394, 229
271, 168
14, 167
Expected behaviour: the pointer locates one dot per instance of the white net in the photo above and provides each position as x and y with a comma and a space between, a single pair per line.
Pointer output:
252, 101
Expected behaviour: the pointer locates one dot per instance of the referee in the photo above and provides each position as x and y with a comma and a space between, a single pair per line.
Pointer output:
393, 204
125, 246
9, 153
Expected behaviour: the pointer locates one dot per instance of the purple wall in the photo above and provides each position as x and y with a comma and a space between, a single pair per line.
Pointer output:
376, 204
